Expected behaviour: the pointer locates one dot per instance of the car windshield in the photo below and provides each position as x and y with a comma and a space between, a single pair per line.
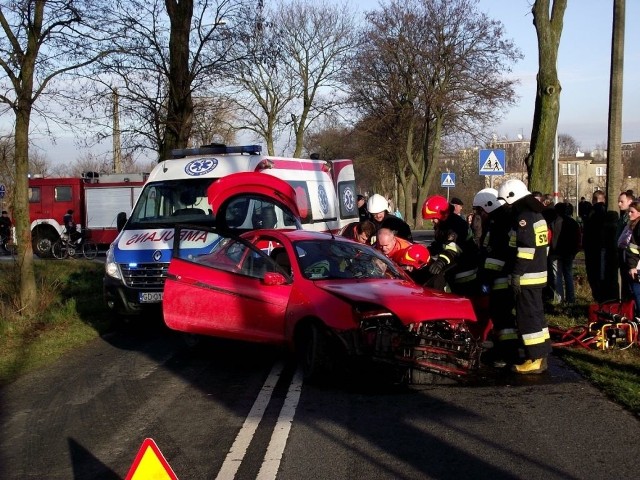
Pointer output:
173, 202
330, 259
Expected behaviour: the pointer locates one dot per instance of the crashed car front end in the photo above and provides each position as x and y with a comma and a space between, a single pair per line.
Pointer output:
443, 347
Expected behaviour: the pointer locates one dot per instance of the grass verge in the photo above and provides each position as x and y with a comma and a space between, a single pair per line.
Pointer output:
615, 371
70, 312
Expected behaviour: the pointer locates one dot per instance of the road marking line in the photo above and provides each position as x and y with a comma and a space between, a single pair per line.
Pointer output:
275, 450
243, 439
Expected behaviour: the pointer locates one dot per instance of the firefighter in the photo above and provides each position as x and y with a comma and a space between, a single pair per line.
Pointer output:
527, 269
381, 218
494, 281
414, 260
454, 253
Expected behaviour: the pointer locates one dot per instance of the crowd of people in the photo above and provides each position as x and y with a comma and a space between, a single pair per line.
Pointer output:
516, 250
5, 232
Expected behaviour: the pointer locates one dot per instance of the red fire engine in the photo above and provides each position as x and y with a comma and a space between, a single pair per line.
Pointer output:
96, 200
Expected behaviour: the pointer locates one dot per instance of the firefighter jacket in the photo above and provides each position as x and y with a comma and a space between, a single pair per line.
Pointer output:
496, 250
453, 242
528, 239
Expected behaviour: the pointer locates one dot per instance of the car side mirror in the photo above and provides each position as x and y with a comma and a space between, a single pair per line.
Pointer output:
274, 278
121, 219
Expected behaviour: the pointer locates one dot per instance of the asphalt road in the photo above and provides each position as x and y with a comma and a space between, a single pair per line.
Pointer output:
220, 409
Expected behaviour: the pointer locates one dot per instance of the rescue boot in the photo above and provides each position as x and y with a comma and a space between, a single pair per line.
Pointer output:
538, 365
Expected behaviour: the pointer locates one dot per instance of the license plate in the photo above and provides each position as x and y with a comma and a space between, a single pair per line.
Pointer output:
150, 297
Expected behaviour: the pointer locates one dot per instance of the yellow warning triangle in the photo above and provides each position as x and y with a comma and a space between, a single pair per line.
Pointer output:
150, 464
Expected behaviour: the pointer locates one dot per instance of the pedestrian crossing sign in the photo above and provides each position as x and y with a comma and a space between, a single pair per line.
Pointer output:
492, 162
448, 179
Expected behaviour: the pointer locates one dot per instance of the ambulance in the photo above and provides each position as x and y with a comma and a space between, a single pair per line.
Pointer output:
176, 193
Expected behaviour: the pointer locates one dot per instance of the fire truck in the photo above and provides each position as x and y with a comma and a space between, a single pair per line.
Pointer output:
96, 199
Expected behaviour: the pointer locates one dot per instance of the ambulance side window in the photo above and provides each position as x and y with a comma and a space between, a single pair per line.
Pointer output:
303, 199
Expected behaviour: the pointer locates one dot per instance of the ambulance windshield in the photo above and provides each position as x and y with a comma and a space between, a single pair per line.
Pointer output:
173, 201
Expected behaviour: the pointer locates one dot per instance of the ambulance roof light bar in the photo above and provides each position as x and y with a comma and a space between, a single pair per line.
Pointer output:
216, 149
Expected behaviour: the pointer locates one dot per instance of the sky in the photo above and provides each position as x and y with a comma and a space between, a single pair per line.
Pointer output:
583, 69
584, 60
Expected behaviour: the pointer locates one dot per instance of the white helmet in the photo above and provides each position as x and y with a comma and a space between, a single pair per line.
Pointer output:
377, 203
512, 190
487, 199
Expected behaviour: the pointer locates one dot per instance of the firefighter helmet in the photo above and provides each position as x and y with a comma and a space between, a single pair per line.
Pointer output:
435, 207
487, 199
512, 190
377, 203
416, 256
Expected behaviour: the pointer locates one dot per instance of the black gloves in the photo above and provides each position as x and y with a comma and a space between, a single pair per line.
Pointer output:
437, 267
514, 281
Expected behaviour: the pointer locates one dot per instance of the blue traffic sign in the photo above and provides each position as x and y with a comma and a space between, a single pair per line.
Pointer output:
492, 162
448, 179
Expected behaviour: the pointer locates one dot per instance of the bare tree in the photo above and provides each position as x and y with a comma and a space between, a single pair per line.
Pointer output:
213, 119
548, 24
42, 41
431, 68
174, 52
293, 75
567, 145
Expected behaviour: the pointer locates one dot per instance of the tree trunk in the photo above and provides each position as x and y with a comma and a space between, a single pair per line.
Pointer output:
28, 291
614, 141
540, 162
179, 101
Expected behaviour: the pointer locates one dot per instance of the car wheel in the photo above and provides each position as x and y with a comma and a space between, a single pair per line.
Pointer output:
313, 353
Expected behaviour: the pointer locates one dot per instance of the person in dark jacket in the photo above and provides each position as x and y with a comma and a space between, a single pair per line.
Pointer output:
601, 250
363, 213
624, 200
565, 244
361, 231
5, 230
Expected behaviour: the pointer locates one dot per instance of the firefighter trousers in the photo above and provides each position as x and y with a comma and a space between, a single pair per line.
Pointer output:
531, 323
505, 333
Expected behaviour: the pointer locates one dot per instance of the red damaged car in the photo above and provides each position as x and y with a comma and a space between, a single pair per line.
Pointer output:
327, 298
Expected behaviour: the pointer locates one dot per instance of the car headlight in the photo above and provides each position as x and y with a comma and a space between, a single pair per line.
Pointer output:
372, 316
111, 268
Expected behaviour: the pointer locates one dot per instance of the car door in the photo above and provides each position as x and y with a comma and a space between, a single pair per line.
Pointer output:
224, 293
221, 291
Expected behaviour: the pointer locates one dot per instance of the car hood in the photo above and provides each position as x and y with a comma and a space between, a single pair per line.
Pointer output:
408, 301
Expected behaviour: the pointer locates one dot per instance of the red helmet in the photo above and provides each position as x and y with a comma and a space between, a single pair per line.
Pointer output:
435, 207
416, 256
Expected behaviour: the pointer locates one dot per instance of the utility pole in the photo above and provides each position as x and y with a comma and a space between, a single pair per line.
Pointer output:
614, 140
117, 152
